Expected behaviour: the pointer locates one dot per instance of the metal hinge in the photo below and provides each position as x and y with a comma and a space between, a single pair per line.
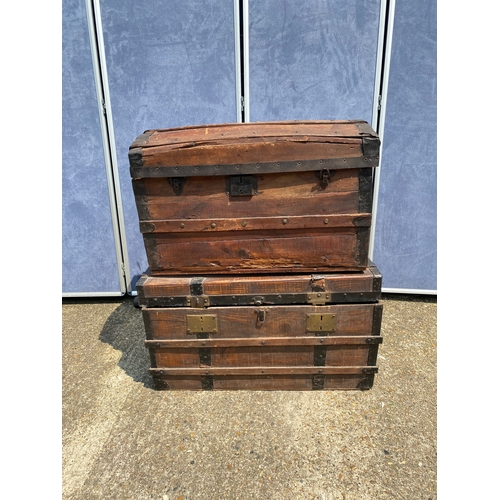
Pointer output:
103, 104
123, 269
379, 107
242, 99
198, 301
318, 298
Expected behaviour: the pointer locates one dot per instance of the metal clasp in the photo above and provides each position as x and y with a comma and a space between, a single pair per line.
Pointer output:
324, 178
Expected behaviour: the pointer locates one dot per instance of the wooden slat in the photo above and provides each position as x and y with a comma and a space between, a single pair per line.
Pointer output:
259, 341
249, 153
255, 223
265, 370
241, 321
255, 251
217, 132
290, 194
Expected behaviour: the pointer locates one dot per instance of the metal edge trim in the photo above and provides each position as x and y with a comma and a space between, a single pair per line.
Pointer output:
246, 60
388, 31
237, 62
91, 294
94, 26
113, 167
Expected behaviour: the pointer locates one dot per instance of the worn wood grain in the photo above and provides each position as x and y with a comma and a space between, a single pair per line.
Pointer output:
241, 321
254, 251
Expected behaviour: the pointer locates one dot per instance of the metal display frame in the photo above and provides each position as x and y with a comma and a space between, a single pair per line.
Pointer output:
93, 26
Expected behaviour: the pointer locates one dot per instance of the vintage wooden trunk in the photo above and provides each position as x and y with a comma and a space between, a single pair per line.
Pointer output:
292, 332
265, 198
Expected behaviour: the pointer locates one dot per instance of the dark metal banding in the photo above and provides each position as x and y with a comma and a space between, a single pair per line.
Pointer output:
268, 299
207, 383
377, 319
135, 157
372, 355
318, 382
371, 146
362, 245
365, 190
366, 383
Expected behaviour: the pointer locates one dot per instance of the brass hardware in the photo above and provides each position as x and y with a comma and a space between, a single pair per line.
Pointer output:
198, 301
213, 224
201, 323
318, 298
182, 225
285, 221
322, 322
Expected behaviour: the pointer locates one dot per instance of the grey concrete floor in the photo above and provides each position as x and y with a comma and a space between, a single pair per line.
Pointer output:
122, 439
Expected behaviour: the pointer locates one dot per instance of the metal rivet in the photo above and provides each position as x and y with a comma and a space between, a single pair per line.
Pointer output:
326, 221
213, 224
182, 225
244, 223
319, 295
285, 221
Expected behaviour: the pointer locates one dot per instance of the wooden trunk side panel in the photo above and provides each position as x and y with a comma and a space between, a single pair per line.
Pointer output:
261, 383
264, 383
165, 287
262, 356
260, 251
241, 321
342, 382
288, 194
217, 133
348, 355
250, 152
361, 281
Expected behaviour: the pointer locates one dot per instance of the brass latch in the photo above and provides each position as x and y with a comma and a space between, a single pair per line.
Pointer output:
324, 178
201, 323
198, 301
321, 323
318, 298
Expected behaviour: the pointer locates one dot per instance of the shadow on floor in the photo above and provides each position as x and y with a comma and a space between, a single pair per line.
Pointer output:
124, 331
